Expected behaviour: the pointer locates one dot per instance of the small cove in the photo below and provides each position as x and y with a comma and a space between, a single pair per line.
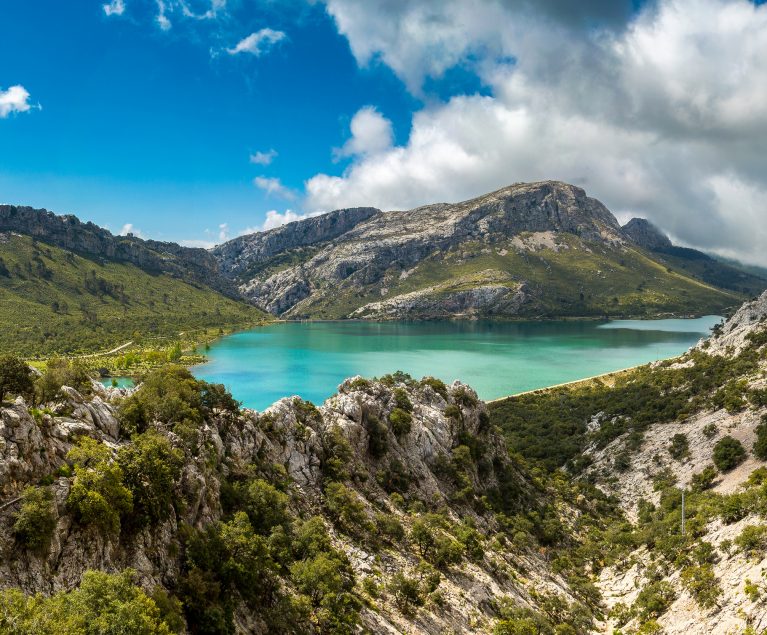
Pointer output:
310, 359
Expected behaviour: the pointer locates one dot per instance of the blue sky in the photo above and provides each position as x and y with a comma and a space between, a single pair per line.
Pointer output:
150, 110
155, 128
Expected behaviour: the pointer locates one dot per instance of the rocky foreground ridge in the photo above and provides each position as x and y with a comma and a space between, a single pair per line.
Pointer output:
405, 479
527, 249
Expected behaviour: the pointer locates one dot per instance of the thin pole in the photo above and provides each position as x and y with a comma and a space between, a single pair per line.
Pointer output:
683, 512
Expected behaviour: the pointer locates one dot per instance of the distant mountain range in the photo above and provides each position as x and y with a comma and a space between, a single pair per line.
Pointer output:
528, 250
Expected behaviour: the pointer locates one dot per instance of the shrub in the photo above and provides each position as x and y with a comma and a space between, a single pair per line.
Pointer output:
703, 480
654, 599
437, 385
402, 400
378, 436
16, 377
760, 445
728, 453
36, 519
104, 603
401, 421
98, 495
266, 506
679, 448
406, 592
346, 508
389, 527
753, 540
336, 455
150, 467
169, 394
702, 584
710, 430
62, 372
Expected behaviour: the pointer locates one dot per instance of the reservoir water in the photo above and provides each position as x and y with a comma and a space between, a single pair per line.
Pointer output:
310, 359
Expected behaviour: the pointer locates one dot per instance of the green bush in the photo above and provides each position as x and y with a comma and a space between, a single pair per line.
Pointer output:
437, 385
401, 421
389, 527
703, 480
36, 519
150, 467
62, 372
702, 584
98, 495
406, 591
402, 400
16, 377
346, 508
266, 506
728, 453
679, 448
104, 603
654, 599
752, 541
760, 445
378, 436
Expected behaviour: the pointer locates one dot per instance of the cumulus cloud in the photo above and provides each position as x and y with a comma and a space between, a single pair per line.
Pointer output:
15, 99
257, 43
371, 134
116, 7
223, 231
263, 158
662, 114
128, 228
273, 186
275, 219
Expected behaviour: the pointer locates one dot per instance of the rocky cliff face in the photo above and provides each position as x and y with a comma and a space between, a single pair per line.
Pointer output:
292, 435
407, 264
193, 265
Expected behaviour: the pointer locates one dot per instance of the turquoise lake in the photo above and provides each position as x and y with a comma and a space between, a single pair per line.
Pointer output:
310, 359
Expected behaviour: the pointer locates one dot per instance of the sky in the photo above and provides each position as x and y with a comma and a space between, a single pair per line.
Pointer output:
199, 120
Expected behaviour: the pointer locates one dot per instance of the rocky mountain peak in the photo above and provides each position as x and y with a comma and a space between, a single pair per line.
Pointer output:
642, 232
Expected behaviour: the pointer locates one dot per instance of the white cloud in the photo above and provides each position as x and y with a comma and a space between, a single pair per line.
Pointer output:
128, 228
15, 99
223, 231
214, 8
115, 7
258, 42
371, 134
275, 219
273, 186
162, 19
263, 158
665, 117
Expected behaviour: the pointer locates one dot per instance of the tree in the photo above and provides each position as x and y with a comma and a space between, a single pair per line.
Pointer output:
36, 519
104, 603
15, 377
728, 453
266, 506
150, 467
98, 495
760, 445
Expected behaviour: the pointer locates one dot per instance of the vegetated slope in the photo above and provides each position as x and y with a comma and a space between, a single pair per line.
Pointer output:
532, 250
68, 232
53, 300
718, 272
696, 424
393, 507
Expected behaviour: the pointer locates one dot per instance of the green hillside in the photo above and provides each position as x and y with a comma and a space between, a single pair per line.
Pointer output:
54, 301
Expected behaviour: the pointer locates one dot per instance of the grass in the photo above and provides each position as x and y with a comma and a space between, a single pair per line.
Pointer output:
53, 301
577, 280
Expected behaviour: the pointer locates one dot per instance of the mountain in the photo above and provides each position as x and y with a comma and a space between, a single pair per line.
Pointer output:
396, 506
67, 287
528, 250
731, 275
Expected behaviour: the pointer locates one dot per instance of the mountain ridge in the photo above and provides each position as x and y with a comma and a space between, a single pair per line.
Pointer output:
425, 263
